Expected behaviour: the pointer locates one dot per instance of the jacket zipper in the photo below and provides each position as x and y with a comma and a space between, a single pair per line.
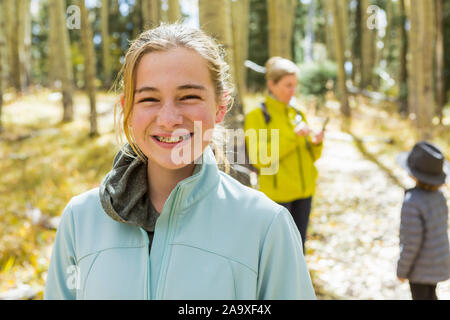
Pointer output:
163, 273
149, 292
147, 245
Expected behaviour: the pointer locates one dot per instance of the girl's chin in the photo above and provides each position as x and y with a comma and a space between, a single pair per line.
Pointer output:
172, 161
174, 158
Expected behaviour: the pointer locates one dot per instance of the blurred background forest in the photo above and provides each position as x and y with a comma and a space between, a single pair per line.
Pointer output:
380, 69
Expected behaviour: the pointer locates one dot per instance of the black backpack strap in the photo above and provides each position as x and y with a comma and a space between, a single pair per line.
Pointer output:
265, 112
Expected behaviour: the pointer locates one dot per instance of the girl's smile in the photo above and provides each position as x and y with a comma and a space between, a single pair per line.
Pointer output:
169, 141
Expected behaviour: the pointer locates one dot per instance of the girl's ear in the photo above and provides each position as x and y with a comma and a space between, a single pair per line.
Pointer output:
222, 108
220, 113
270, 84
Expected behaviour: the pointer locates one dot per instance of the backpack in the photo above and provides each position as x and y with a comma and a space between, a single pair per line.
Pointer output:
247, 173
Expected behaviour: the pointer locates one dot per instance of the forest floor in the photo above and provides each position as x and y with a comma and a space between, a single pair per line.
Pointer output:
352, 245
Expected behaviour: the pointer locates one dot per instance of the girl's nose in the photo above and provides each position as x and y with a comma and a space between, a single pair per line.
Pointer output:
168, 116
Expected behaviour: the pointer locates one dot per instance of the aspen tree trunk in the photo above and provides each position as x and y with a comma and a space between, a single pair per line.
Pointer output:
60, 53
403, 72
13, 44
329, 30
106, 44
427, 106
2, 56
340, 50
440, 80
66, 62
281, 21
174, 12
155, 12
345, 27
413, 69
9, 24
367, 46
390, 29
418, 62
89, 65
4, 30
215, 20
151, 13
357, 41
422, 39
146, 16
24, 42
136, 18
309, 33
53, 46
240, 18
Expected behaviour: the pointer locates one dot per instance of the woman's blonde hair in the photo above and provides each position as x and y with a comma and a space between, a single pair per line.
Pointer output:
278, 67
164, 38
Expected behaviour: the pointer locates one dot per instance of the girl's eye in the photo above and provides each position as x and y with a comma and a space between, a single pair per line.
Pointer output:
148, 100
191, 97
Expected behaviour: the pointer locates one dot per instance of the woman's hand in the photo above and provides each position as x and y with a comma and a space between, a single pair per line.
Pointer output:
302, 129
318, 138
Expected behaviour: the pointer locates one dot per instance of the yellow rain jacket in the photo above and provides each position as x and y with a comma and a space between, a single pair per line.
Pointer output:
291, 175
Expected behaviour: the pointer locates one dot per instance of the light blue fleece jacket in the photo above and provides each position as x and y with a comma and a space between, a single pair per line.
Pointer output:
214, 239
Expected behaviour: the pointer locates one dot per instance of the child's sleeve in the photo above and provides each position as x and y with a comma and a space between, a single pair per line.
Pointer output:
411, 234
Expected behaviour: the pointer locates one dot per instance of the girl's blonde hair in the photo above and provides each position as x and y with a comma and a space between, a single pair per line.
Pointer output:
278, 67
164, 38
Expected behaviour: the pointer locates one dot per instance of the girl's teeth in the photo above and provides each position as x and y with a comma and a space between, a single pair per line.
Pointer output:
173, 139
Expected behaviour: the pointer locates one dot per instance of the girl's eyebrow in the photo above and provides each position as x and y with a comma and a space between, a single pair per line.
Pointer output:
182, 87
142, 89
191, 86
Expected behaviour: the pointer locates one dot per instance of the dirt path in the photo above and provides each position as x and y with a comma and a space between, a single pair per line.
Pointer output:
354, 226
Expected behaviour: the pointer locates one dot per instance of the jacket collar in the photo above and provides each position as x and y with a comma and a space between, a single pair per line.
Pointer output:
197, 186
275, 105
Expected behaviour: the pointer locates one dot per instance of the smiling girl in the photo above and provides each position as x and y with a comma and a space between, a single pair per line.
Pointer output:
161, 228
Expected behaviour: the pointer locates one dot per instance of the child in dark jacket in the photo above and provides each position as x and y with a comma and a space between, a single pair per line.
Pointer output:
424, 246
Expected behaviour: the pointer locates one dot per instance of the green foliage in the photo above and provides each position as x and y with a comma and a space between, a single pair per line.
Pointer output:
315, 76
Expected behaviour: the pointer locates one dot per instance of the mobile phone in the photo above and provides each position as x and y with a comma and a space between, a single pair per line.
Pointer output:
324, 126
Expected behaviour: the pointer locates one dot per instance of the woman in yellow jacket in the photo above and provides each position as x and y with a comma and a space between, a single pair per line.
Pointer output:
292, 155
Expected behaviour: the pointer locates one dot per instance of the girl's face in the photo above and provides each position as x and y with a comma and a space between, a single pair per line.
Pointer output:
175, 107
285, 88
